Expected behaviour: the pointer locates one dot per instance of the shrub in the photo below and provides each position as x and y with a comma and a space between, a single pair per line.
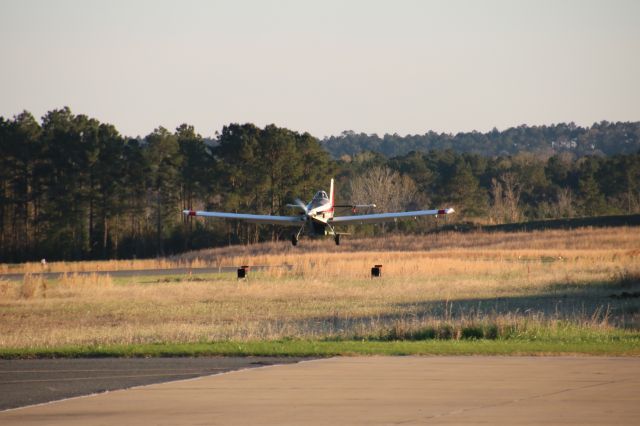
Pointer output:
472, 332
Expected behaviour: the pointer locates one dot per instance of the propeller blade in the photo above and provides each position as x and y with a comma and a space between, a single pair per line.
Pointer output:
302, 205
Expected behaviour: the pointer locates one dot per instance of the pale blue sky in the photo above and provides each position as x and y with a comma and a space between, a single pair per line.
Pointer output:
323, 66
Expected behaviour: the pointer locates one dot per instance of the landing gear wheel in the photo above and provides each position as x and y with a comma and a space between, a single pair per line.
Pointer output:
294, 240
337, 239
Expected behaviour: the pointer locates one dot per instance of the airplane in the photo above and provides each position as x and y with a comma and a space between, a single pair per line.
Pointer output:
318, 215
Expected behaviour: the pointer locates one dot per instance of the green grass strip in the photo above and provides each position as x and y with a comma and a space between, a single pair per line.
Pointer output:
310, 348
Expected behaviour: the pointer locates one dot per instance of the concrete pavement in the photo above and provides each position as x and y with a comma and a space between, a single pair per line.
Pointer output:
373, 390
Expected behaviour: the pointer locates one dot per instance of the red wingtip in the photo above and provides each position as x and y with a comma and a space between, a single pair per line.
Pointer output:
192, 213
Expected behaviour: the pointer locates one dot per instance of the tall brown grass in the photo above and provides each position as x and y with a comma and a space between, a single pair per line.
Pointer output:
622, 238
510, 285
30, 286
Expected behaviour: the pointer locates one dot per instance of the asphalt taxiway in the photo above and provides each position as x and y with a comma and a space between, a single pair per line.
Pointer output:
373, 390
34, 381
140, 272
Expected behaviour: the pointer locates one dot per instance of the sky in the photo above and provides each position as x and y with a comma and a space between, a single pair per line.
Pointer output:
402, 66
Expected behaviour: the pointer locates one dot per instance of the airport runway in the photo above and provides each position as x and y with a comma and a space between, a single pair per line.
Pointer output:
373, 390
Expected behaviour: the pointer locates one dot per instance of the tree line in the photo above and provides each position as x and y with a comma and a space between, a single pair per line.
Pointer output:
604, 138
74, 188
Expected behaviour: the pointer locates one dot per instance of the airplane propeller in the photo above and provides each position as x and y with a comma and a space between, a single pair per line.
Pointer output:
302, 205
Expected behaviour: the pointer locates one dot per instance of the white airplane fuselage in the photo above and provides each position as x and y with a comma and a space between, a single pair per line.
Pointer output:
319, 212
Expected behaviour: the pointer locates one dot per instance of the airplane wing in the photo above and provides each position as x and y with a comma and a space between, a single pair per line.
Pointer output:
386, 217
251, 218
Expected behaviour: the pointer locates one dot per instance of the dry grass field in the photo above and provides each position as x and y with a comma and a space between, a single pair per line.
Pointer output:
449, 286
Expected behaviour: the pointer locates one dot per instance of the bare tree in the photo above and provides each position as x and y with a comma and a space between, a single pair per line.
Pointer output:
565, 203
512, 192
497, 208
386, 188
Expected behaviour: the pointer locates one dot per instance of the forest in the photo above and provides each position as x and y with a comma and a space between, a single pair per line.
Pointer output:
72, 187
604, 138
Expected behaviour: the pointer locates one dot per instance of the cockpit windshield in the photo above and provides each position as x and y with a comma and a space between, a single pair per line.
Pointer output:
319, 199
320, 195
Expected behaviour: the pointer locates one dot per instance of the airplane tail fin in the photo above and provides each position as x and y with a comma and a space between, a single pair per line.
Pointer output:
331, 194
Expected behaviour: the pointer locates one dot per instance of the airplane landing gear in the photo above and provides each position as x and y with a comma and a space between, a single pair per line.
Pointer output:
296, 236
336, 236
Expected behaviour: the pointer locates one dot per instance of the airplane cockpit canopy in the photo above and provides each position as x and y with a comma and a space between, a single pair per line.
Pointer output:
320, 199
321, 195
